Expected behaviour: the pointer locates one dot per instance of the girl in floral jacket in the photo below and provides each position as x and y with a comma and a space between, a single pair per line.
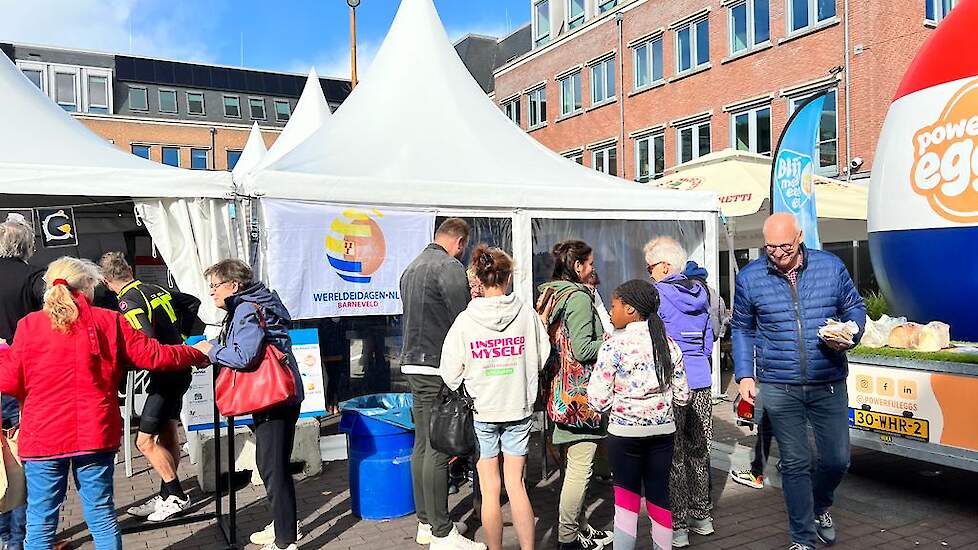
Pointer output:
639, 377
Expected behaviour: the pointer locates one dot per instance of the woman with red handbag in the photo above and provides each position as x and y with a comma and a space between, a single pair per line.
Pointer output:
255, 345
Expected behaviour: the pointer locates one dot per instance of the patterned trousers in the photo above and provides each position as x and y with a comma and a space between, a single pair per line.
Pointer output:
689, 484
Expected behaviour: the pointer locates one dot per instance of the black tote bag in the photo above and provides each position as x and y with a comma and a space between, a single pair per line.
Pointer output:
451, 429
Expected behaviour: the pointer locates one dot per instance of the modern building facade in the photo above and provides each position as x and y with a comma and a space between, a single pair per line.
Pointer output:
636, 87
182, 114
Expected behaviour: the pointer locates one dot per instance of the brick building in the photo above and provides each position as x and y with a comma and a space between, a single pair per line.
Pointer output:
635, 87
183, 114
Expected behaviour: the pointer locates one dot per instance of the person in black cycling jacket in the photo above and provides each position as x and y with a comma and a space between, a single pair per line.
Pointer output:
161, 315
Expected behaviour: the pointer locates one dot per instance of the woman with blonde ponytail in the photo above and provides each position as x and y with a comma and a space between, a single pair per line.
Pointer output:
65, 366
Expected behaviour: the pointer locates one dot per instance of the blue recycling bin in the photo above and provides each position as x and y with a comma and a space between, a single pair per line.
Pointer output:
380, 439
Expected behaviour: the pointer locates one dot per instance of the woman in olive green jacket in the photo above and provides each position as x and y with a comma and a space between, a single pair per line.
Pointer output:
574, 304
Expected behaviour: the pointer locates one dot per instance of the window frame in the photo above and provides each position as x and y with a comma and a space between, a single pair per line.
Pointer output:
163, 151
203, 103
133, 146
542, 100
264, 108
696, 128
606, 163
793, 101
938, 8
41, 68
75, 74
651, 139
647, 44
237, 99
601, 68
540, 39
751, 15
90, 107
752, 135
694, 30
814, 21
577, 156
227, 158
577, 105
578, 21
176, 101
207, 161
600, 6
288, 107
145, 91
511, 108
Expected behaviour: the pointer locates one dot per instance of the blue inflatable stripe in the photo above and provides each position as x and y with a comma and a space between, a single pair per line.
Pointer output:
343, 265
352, 279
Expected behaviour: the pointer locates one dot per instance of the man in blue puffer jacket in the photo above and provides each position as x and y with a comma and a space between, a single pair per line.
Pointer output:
780, 303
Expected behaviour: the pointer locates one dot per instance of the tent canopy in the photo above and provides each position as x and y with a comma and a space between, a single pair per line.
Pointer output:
44, 151
742, 180
252, 155
311, 113
418, 130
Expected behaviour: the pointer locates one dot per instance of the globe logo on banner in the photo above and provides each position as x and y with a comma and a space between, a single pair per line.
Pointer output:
945, 168
355, 245
793, 177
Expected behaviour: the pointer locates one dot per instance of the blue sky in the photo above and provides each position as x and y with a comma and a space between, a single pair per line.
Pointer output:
290, 35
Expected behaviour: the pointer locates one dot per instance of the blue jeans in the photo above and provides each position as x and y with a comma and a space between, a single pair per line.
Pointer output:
47, 483
12, 526
808, 492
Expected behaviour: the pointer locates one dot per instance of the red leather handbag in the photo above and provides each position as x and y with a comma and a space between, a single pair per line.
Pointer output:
246, 392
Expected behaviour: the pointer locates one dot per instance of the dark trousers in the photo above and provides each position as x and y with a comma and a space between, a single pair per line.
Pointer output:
808, 491
641, 466
429, 468
274, 434
762, 443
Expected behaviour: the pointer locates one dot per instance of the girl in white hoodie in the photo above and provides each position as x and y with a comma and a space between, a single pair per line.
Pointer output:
497, 347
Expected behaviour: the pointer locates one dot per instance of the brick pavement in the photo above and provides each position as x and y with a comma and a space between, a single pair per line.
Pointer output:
885, 502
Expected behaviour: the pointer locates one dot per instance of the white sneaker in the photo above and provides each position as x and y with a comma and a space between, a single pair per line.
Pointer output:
424, 534
274, 546
267, 535
145, 509
454, 541
168, 508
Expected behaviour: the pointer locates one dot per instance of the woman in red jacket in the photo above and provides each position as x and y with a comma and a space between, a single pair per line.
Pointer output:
65, 367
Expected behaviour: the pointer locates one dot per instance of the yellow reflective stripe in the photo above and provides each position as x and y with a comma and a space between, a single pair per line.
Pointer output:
163, 301
335, 245
131, 316
349, 229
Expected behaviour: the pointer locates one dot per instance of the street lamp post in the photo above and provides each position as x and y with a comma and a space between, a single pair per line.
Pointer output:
353, 40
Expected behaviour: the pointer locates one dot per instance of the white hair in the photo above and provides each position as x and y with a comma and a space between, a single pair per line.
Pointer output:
16, 238
667, 250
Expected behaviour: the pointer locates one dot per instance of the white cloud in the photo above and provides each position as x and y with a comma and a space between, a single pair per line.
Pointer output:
151, 27
336, 62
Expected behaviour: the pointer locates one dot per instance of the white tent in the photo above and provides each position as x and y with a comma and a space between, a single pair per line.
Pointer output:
251, 156
311, 113
44, 152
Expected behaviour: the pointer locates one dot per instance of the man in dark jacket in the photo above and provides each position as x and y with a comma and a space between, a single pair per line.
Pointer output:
434, 290
781, 301
21, 292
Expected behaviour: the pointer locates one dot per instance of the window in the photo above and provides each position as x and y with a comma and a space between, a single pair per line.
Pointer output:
828, 134
577, 157
233, 157
198, 159
603, 81
694, 141
141, 151
98, 94
650, 157
606, 160
36, 76
232, 106
541, 22
605, 5
138, 99
751, 130
575, 14
171, 156
195, 103
570, 94
538, 107
648, 63
936, 10
512, 110
805, 14
168, 101
282, 111
693, 46
257, 106
749, 25
66, 91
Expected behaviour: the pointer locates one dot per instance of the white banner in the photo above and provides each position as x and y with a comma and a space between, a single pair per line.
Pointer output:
328, 260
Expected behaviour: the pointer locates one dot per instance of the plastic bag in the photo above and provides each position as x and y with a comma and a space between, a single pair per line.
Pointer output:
14, 482
451, 429
872, 337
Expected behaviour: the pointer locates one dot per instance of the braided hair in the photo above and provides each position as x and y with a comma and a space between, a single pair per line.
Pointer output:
643, 296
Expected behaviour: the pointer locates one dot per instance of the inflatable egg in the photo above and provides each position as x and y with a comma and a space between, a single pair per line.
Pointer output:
923, 198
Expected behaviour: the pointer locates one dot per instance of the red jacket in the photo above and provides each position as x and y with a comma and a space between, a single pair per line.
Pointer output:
68, 382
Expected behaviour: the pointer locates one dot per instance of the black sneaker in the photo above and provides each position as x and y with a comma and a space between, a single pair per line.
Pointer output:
604, 538
825, 529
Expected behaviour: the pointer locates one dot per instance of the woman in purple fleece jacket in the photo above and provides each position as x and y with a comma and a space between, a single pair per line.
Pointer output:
685, 311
